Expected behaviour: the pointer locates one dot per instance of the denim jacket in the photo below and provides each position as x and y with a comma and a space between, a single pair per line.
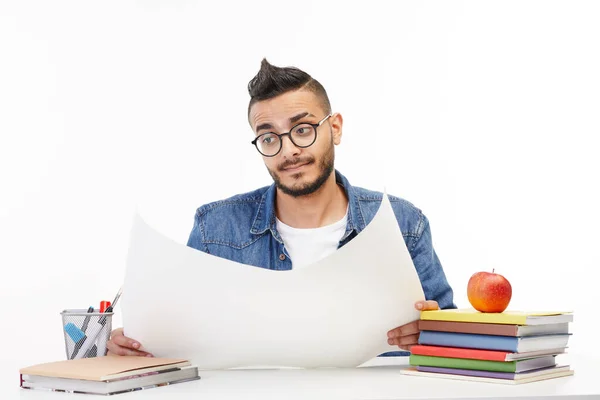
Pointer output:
242, 228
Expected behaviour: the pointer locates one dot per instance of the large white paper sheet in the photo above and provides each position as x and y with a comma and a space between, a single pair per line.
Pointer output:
181, 302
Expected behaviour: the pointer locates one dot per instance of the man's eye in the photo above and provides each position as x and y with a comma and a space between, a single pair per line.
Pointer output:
303, 130
267, 139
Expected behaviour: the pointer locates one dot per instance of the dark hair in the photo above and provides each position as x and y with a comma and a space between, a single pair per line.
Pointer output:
271, 81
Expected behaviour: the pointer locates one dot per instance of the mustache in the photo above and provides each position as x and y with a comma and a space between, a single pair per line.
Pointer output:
294, 162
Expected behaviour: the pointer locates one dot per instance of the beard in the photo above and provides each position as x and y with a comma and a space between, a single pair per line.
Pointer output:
325, 170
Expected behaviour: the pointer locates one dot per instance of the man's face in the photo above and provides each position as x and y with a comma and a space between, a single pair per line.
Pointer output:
297, 171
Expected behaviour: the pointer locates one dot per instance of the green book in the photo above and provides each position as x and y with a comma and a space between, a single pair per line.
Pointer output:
483, 365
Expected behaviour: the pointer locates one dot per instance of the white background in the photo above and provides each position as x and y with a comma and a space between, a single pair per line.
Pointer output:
483, 114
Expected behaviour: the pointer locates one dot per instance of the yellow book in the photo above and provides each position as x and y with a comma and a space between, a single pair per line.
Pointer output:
506, 317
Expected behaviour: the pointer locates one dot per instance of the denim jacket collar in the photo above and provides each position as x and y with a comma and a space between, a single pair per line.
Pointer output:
264, 219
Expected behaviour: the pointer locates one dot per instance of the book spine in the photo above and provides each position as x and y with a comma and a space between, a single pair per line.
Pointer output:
469, 327
462, 363
486, 318
469, 340
456, 352
468, 372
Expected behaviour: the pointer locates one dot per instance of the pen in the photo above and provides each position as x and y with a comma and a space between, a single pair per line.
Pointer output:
84, 326
102, 322
104, 305
99, 350
112, 305
86, 320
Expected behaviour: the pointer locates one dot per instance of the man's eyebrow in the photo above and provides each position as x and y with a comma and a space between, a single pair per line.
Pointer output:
264, 126
298, 117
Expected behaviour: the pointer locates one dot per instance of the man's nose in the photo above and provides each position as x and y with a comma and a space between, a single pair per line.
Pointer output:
288, 148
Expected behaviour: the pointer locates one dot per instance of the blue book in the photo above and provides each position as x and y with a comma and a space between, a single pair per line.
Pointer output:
494, 342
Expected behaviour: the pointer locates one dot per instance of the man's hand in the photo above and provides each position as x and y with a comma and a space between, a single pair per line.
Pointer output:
407, 335
121, 345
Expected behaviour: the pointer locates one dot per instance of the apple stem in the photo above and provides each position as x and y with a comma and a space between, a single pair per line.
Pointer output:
493, 269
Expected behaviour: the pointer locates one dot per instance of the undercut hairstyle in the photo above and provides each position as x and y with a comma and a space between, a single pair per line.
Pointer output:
271, 81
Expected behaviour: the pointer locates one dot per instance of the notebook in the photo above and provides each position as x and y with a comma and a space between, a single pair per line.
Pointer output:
494, 342
493, 329
505, 317
525, 377
478, 354
483, 365
107, 375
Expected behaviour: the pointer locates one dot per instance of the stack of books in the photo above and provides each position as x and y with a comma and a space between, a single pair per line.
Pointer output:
107, 375
511, 347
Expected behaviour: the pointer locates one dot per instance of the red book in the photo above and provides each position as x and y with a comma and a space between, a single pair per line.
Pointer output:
476, 354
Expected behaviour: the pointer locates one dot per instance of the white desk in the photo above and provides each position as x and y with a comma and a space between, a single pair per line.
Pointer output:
373, 382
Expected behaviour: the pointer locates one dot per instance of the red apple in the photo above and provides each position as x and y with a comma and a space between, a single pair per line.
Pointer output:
489, 292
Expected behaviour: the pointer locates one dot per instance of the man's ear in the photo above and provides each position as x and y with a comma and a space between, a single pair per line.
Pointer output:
336, 121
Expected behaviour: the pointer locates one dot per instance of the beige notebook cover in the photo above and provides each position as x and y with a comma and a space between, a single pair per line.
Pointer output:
102, 368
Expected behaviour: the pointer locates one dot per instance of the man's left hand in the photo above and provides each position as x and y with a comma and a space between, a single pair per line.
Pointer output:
406, 336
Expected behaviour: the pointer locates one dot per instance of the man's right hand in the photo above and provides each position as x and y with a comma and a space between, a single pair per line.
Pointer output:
121, 345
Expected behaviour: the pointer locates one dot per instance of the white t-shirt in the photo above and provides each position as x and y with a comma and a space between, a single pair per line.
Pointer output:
306, 246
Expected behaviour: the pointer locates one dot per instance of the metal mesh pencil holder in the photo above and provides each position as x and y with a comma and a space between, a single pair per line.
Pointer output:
86, 333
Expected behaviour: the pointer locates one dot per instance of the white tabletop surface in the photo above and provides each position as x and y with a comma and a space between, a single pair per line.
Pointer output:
377, 380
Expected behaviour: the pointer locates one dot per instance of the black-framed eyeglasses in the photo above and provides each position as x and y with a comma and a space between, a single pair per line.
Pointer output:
302, 135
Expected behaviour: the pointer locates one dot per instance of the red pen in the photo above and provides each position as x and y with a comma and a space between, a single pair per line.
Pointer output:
104, 305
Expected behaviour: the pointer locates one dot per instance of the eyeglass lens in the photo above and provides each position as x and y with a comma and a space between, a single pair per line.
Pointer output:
302, 135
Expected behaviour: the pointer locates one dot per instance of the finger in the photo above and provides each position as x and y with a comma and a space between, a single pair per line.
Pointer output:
394, 333
408, 340
404, 340
392, 342
116, 332
124, 351
408, 329
124, 341
427, 305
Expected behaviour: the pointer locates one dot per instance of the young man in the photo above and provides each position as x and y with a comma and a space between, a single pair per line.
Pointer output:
311, 209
